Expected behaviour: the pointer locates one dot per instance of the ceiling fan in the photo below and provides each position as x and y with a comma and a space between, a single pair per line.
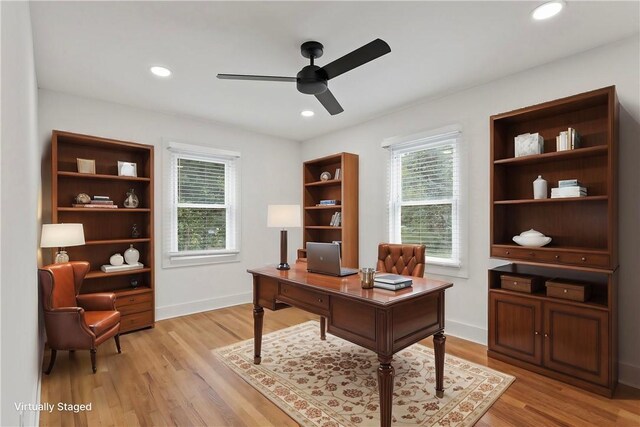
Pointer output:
313, 80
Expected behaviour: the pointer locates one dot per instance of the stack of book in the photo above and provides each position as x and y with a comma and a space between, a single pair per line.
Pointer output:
124, 267
97, 202
568, 188
328, 202
392, 282
336, 219
568, 140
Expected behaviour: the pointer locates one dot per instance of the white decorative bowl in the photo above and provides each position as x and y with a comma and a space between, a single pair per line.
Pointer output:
532, 241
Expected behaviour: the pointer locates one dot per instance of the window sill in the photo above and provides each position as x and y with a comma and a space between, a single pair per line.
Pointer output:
445, 269
173, 261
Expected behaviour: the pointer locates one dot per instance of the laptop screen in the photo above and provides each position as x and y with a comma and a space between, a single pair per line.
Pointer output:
323, 258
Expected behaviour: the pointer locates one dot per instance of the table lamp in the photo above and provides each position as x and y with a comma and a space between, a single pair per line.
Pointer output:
283, 216
60, 236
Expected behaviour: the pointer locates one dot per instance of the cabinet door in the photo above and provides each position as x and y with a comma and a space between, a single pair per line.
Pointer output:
577, 341
515, 325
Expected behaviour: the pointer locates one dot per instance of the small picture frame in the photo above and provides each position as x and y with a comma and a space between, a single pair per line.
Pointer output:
86, 165
127, 169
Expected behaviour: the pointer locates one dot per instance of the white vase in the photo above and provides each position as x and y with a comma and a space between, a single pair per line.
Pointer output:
116, 259
131, 255
540, 188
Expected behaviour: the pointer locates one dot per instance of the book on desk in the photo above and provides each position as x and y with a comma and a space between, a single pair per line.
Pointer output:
392, 282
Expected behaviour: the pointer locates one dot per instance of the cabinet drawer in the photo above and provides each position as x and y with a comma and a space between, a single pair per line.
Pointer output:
552, 256
580, 258
306, 297
122, 301
567, 290
528, 284
136, 321
135, 308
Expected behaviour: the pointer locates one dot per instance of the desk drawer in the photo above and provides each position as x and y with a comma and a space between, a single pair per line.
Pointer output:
304, 296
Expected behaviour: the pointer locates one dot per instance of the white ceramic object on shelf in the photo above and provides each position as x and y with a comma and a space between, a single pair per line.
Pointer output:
540, 188
116, 259
131, 255
532, 239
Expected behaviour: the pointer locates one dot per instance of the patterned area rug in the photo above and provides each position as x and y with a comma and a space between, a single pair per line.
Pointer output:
334, 383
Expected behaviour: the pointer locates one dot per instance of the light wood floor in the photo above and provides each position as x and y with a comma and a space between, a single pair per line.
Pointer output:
168, 376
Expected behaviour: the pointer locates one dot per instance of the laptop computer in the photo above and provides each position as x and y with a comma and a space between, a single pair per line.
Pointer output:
324, 258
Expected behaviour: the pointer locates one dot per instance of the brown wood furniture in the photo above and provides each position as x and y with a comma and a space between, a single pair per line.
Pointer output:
569, 340
317, 219
108, 231
382, 321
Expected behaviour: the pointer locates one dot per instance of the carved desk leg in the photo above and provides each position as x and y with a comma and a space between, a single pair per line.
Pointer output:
385, 387
258, 315
323, 328
438, 348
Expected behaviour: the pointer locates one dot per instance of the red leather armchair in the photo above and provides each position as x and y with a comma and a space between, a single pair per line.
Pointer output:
407, 260
73, 321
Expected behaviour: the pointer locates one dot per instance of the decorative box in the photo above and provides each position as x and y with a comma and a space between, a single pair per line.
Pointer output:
568, 290
521, 283
528, 144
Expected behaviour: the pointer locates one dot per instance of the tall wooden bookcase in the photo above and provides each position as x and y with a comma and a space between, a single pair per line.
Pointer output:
569, 340
317, 218
108, 231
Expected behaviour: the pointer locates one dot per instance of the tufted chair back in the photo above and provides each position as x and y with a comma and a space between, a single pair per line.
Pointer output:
407, 260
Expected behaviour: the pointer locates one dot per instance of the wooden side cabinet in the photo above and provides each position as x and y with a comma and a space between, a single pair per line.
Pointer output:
515, 327
576, 340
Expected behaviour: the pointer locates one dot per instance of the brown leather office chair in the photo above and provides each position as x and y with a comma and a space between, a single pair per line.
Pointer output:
73, 321
407, 260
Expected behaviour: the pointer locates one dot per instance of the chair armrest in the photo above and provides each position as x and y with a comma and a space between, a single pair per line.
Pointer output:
67, 329
97, 302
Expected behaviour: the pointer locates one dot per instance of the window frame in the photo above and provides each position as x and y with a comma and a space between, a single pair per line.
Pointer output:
231, 159
397, 146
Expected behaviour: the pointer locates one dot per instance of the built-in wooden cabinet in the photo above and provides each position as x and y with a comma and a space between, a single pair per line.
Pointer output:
108, 231
570, 340
317, 218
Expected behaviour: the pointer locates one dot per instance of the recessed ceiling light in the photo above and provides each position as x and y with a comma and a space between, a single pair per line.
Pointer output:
547, 10
161, 71
307, 113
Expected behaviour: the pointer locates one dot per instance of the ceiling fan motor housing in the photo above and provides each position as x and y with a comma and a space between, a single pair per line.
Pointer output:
311, 80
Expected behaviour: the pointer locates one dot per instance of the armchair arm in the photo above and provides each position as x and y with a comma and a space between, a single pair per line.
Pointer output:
67, 329
97, 302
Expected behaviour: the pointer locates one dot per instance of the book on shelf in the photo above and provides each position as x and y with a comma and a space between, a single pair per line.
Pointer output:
329, 202
337, 175
392, 279
575, 191
95, 206
101, 202
389, 287
335, 219
568, 140
569, 183
101, 198
124, 267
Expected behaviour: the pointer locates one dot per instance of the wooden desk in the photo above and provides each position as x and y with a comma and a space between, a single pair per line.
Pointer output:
382, 321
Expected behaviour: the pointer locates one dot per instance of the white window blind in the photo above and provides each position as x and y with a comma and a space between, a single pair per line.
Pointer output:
424, 195
203, 202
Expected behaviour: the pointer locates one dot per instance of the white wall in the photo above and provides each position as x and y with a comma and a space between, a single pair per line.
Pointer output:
270, 174
615, 64
20, 188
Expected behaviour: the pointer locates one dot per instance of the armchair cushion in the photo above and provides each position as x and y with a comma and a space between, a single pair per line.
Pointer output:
101, 321
97, 302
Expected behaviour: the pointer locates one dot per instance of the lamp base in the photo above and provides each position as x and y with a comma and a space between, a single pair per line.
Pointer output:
61, 257
283, 266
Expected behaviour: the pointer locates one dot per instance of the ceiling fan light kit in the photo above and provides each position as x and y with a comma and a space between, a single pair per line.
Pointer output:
313, 80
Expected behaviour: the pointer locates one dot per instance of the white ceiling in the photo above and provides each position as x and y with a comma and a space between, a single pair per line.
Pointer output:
103, 50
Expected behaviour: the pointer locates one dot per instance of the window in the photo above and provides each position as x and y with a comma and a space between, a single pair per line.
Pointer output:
425, 193
202, 205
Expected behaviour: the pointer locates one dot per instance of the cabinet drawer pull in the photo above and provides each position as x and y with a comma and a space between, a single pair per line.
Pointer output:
530, 253
319, 299
515, 283
583, 258
536, 332
508, 252
132, 299
547, 336
564, 290
557, 256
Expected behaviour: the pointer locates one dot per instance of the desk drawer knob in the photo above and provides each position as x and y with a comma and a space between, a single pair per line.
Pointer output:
508, 252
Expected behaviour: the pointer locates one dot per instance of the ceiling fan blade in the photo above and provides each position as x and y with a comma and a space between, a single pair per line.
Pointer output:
358, 57
259, 78
329, 102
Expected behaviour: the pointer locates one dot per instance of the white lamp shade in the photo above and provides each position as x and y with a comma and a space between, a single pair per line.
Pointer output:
283, 216
61, 235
